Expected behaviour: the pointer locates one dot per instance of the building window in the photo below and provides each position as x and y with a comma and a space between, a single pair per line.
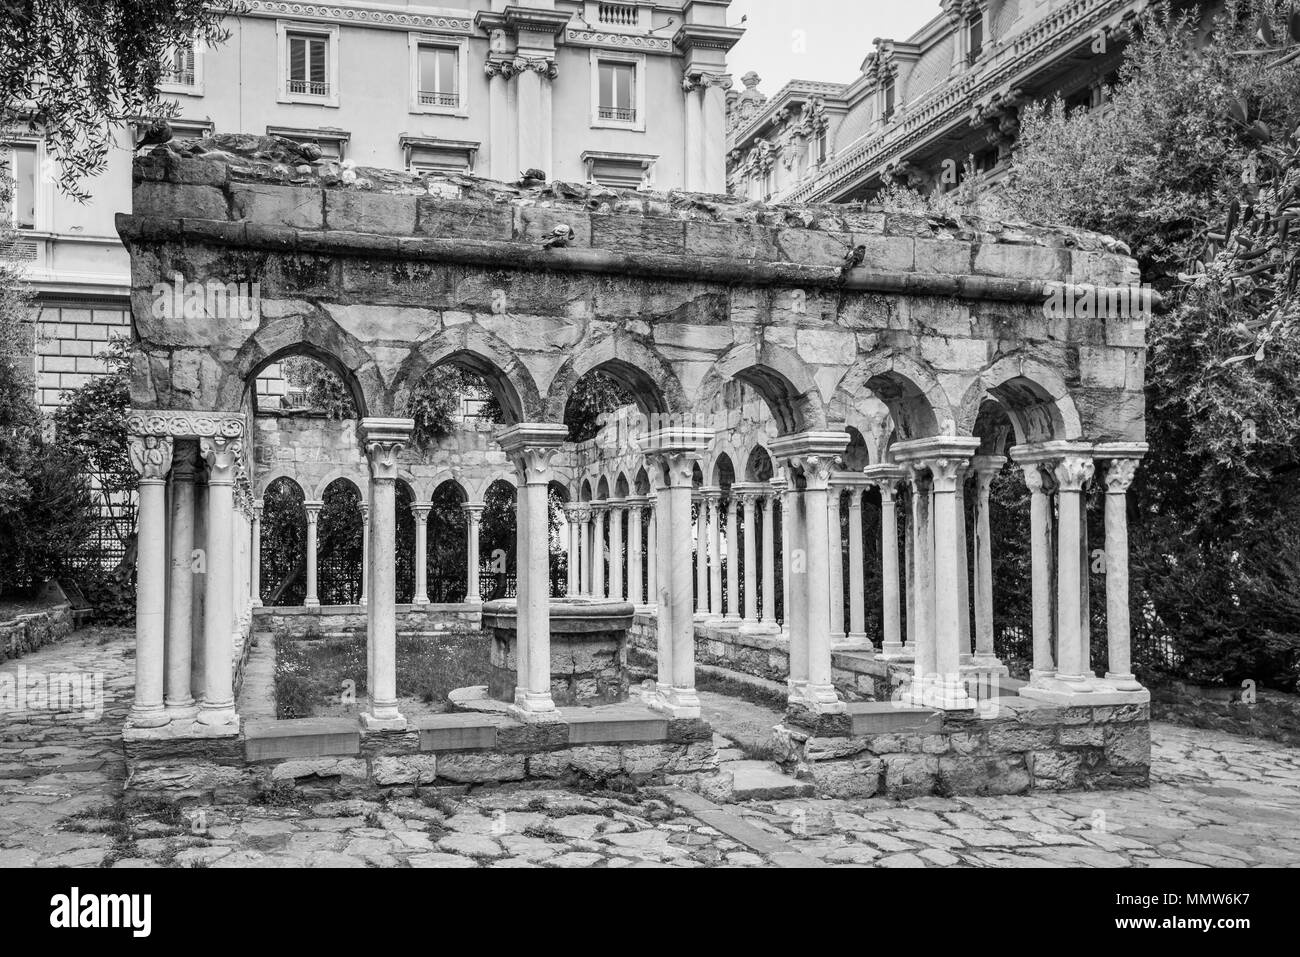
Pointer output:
819, 148
439, 74
180, 68
890, 93
332, 143
308, 64
768, 183
18, 162
426, 154
975, 24
618, 92
620, 170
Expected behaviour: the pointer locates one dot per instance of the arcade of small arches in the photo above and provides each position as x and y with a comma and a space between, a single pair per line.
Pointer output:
657, 513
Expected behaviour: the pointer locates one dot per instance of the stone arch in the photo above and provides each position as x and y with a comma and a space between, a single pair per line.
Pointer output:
477, 490
481, 353
284, 541
641, 484
602, 489
621, 486
759, 466
264, 481
339, 541
584, 491
314, 334
722, 470
858, 454
1034, 396
783, 380
639, 369
917, 403
357, 479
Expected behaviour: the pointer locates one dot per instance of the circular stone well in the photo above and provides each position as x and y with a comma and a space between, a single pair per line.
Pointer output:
588, 649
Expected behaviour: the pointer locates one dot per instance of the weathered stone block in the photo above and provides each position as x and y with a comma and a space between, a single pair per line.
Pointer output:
463, 219
383, 213
909, 776
598, 763
847, 779
297, 207
321, 768
405, 769
1080, 735
166, 200
631, 234
1014, 737
974, 774
730, 240
1127, 745
481, 768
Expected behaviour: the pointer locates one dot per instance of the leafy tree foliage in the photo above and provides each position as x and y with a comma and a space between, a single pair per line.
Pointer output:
74, 69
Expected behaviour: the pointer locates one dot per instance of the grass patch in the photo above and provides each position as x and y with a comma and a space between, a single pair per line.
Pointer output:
310, 674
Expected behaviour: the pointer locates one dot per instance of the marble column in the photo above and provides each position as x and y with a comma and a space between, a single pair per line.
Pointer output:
965, 639
533, 112
1119, 476
922, 570
948, 690
616, 552
573, 529
887, 479
811, 458
365, 552
598, 511
1072, 472
731, 609
503, 165
713, 500
986, 467
713, 120
674, 453
664, 624
531, 447
383, 440
652, 552
255, 563
835, 564
747, 496
693, 138
635, 573
420, 560
857, 576
1041, 485
179, 699
584, 550
473, 516
217, 708
151, 455
313, 513
701, 556
769, 560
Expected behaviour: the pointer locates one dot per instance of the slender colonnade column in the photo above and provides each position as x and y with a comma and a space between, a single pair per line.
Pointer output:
383, 439
835, 564
151, 456
1119, 476
255, 563
474, 515
731, 611
616, 553
217, 708
420, 512
886, 478
857, 585
180, 598
769, 559
313, 513
713, 499
635, 573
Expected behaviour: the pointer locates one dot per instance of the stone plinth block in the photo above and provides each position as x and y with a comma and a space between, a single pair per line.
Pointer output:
588, 650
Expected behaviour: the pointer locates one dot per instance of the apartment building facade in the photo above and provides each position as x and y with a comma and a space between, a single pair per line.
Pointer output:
922, 110
627, 94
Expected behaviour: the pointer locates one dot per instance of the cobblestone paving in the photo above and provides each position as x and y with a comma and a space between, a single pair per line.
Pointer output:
1215, 800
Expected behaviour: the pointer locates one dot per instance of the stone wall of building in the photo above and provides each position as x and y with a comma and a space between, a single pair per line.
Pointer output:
23, 634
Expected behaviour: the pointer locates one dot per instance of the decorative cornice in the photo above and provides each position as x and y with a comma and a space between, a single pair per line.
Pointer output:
185, 425
622, 41
330, 13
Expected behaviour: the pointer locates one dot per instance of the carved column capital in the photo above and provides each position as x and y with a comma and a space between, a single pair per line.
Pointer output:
474, 511
222, 457
420, 512
151, 456
313, 511
382, 453
1073, 472
1119, 475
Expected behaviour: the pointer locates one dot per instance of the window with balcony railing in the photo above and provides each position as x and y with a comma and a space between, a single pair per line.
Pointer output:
178, 68
308, 65
617, 14
439, 76
617, 92
18, 164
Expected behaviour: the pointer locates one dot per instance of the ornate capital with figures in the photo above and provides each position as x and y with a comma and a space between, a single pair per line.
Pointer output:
151, 456
1073, 472
1119, 475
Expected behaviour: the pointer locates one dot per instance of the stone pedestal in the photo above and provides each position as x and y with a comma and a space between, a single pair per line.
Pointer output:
588, 650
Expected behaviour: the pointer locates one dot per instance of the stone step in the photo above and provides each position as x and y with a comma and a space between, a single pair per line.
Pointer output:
888, 717
764, 781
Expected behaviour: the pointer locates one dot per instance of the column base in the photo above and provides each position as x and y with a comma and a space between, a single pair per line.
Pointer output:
221, 716
373, 722
645, 609
759, 628
151, 717
256, 603
182, 711
311, 603
417, 600
1123, 682
730, 621
818, 699
677, 703
851, 643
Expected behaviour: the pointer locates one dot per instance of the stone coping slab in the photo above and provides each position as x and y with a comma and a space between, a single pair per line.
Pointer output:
271, 611
270, 739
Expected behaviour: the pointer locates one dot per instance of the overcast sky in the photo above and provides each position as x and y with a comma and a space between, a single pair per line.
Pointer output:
817, 39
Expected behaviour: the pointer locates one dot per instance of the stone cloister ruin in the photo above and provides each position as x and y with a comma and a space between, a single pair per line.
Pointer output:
776, 386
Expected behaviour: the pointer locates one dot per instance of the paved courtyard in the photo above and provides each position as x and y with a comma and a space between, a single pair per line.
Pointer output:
1215, 800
